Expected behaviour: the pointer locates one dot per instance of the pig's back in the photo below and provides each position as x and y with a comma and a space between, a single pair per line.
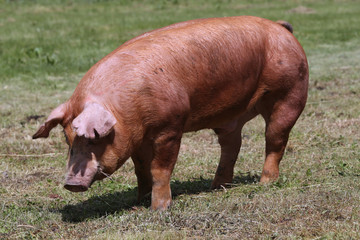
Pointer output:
207, 67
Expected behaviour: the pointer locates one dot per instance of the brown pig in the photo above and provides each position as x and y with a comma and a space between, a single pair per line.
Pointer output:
216, 73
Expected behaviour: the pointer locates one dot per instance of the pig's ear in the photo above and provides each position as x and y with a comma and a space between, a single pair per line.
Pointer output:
56, 116
94, 121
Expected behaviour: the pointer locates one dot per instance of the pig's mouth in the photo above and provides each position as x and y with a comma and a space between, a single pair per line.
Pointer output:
75, 186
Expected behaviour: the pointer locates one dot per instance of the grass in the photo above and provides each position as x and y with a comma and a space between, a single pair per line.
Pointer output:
47, 46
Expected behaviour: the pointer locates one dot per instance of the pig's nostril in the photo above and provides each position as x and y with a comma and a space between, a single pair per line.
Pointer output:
75, 188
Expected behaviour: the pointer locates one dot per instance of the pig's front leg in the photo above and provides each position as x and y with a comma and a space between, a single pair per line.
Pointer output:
142, 158
166, 149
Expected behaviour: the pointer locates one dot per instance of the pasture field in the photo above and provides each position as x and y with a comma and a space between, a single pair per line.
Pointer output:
47, 46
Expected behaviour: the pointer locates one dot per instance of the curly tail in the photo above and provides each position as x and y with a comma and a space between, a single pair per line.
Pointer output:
286, 25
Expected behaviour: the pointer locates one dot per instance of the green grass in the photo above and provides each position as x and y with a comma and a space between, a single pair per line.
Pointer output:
47, 46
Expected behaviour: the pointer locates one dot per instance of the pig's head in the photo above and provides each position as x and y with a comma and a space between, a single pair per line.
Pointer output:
93, 153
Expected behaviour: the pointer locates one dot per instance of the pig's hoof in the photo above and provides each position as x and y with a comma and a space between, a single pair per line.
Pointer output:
160, 205
267, 179
216, 186
268, 176
220, 185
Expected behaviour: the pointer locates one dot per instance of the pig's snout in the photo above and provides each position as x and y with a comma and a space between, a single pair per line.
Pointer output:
79, 183
80, 176
75, 186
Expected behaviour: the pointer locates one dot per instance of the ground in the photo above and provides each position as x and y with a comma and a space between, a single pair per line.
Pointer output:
47, 46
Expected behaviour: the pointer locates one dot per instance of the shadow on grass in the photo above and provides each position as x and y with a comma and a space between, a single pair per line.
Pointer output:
117, 202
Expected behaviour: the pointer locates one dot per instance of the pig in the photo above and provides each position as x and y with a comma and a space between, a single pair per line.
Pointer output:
215, 73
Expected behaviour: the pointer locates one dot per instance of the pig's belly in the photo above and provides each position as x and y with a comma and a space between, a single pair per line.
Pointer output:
215, 116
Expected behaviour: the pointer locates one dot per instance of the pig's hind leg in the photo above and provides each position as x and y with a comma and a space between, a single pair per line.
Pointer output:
280, 116
229, 137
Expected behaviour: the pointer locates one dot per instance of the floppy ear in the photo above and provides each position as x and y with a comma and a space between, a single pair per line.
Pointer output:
94, 121
56, 116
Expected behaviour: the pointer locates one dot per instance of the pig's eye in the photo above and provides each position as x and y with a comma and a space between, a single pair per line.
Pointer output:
94, 141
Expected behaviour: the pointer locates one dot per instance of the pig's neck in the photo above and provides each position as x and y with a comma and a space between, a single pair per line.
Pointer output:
129, 128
